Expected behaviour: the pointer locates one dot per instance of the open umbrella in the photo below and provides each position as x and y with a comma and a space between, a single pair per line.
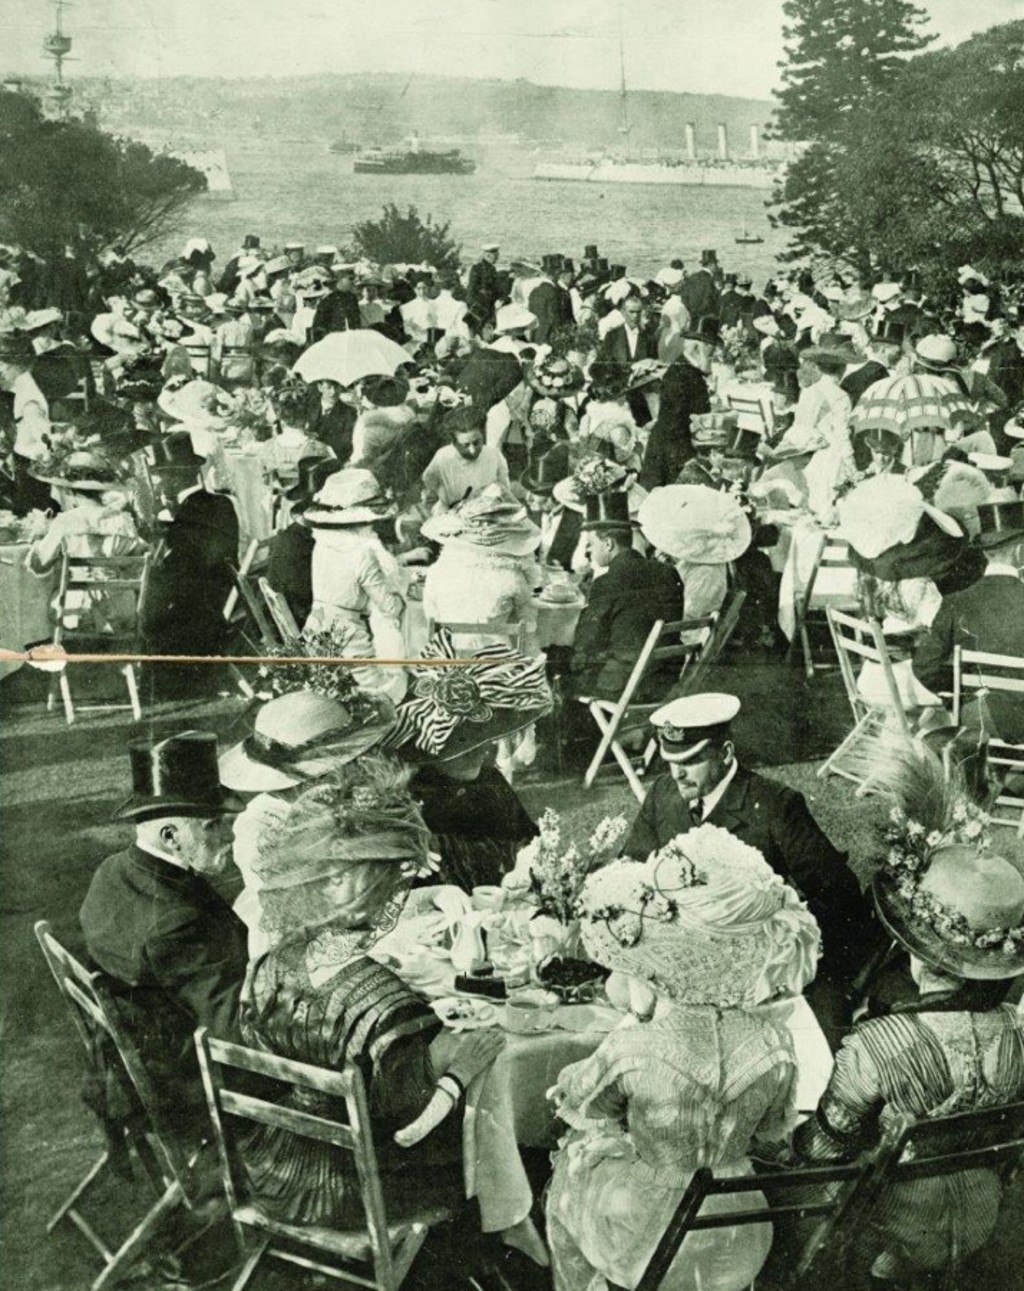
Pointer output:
918, 401
348, 357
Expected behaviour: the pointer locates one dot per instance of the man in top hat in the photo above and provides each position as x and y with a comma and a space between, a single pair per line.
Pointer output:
704, 783
699, 292
628, 595
183, 610
290, 558
560, 526
550, 300
338, 311
684, 394
482, 291
987, 616
229, 278
151, 919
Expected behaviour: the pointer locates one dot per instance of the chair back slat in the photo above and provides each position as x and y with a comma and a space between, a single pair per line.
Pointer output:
863, 639
301, 1124
676, 649
280, 611
510, 632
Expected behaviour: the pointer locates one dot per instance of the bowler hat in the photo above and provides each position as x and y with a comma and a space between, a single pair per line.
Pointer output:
176, 777
1000, 522
173, 451
607, 511
545, 471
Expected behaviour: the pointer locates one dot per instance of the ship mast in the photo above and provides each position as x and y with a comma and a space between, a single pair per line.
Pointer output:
57, 47
624, 125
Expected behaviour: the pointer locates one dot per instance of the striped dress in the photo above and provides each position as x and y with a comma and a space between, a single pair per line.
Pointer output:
926, 1063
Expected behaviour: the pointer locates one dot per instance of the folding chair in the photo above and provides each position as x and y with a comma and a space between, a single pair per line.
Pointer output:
236, 364
975, 674
253, 562
510, 632
201, 358
831, 582
166, 1166
93, 588
243, 609
832, 1195
377, 1256
862, 639
662, 645
280, 612
752, 414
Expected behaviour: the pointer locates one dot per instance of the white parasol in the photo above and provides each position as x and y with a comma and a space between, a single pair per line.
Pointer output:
348, 357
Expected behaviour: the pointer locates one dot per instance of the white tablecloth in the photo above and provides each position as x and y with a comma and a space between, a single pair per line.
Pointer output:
24, 603
254, 498
832, 586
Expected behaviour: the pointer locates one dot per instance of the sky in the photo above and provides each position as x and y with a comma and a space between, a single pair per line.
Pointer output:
699, 46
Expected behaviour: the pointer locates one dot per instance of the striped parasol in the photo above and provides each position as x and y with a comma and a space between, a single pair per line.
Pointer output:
918, 401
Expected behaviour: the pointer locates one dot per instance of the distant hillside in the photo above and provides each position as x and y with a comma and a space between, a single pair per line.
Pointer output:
384, 108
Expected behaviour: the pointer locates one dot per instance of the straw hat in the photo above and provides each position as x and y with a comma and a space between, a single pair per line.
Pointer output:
351, 496
705, 920
493, 521
936, 352
196, 400
83, 469
513, 318
300, 736
695, 523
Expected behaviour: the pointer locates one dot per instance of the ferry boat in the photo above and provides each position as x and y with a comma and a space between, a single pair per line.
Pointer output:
411, 160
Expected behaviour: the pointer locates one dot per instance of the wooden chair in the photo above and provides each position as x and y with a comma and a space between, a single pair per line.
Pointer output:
377, 1256
149, 1142
88, 587
201, 358
280, 612
752, 414
862, 640
976, 673
253, 563
612, 716
236, 364
832, 554
510, 632
832, 1195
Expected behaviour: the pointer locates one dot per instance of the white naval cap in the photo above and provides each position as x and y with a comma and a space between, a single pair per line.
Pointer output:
686, 726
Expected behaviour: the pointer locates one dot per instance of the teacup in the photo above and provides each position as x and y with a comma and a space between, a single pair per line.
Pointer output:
529, 1011
487, 897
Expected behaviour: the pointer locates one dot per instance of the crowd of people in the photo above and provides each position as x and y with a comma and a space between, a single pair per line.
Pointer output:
444, 456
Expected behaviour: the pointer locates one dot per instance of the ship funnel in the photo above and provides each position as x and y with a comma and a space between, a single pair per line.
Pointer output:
691, 141
755, 141
414, 142
723, 141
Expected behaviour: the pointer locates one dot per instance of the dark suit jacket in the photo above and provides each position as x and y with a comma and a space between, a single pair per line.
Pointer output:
988, 616
857, 382
290, 569
700, 295
482, 290
624, 604
566, 539
735, 305
334, 428
615, 346
775, 820
684, 392
176, 950
552, 306
337, 312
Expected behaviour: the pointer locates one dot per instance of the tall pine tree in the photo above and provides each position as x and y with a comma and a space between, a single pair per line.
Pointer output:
839, 53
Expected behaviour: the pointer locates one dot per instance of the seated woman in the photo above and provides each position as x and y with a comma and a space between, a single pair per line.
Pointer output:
713, 932
448, 727
281, 454
957, 909
332, 870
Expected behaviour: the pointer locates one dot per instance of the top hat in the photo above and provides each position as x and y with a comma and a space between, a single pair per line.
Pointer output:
551, 263
590, 251
708, 258
251, 241
568, 265
545, 471
173, 451
601, 265
617, 271
312, 471
606, 511
1000, 522
880, 439
707, 329
178, 776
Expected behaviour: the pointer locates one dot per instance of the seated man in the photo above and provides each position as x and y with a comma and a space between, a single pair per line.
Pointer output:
704, 783
628, 595
987, 616
153, 922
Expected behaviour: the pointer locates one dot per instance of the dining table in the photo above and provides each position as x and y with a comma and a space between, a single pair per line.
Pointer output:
507, 1105
25, 598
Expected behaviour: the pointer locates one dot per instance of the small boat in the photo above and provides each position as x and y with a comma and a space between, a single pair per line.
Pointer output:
746, 238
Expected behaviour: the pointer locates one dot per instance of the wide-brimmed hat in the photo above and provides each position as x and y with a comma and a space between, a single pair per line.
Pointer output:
303, 735
37, 319
195, 400
350, 496
312, 472
513, 318
384, 391
84, 469
493, 521
962, 885
590, 477
705, 920
173, 452
452, 711
176, 777
695, 523
488, 376
884, 512
937, 352
554, 377
1000, 522
544, 472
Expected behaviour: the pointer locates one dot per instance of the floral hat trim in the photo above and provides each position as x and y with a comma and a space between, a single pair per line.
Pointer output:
911, 848
596, 476
444, 699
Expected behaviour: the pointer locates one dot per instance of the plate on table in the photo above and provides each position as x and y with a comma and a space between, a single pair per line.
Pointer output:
465, 1013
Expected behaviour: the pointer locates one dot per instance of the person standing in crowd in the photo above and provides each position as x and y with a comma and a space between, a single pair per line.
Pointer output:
630, 343
482, 289
290, 559
684, 392
699, 292
338, 311
550, 301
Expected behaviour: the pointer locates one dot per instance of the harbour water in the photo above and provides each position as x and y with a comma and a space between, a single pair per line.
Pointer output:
295, 188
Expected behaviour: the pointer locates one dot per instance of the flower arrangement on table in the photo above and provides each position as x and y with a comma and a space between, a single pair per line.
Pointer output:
334, 681
549, 871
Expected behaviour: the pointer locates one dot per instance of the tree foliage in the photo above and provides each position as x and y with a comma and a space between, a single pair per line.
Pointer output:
840, 54
70, 182
406, 239
927, 172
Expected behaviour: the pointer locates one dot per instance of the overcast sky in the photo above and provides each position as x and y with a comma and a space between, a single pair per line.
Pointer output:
703, 46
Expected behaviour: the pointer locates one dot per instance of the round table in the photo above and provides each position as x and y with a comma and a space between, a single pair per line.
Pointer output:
24, 602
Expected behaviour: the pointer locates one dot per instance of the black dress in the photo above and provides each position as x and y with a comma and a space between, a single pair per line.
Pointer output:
478, 826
